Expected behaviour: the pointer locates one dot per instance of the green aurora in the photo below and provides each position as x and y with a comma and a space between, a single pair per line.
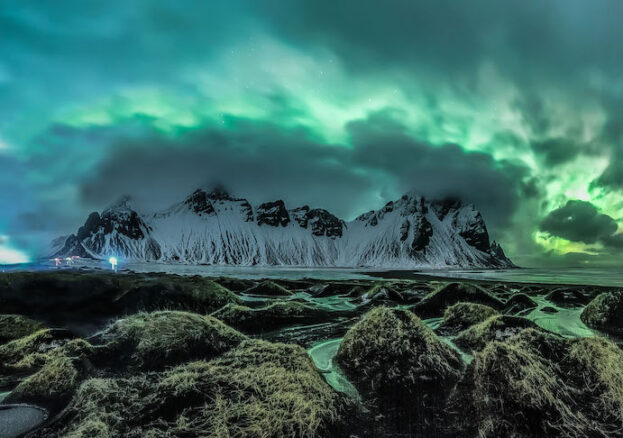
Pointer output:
515, 106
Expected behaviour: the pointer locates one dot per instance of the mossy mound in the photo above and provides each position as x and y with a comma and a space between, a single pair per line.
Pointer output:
567, 298
256, 390
17, 326
194, 294
54, 384
538, 384
271, 317
461, 316
31, 352
519, 303
391, 355
268, 288
605, 312
158, 339
495, 328
434, 304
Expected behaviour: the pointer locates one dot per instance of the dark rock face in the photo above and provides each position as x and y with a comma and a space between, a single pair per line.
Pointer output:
273, 214
605, 312
90, 226
443, 207
72, 247
366, 217
324, 223
129, 225
422, 232
497, 251
300, 215
199, 203
219, 193
404, 230
475, 234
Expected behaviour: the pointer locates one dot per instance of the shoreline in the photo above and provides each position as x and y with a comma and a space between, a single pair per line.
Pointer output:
400, 274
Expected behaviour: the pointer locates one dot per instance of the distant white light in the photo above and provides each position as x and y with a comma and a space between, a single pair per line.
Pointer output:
8, 255
113, 263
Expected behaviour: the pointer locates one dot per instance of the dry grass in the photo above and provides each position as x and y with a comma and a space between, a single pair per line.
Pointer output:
390, 350
538, 384
30, 352
17, 326
605, 312
461, 316
158, 339
494, 328
258, 390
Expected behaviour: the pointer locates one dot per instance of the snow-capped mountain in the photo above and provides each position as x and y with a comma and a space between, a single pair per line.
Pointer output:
212, 227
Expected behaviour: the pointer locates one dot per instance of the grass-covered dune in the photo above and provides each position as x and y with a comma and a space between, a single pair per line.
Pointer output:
60, 298
461, 316
398, 362
537, 384
605, 312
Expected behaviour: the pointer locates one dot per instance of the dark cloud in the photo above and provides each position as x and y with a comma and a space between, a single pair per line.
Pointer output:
260, 160
556, 151
580, 221
524, 38
381, 143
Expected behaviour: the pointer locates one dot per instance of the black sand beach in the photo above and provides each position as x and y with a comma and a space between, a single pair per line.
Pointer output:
153, 354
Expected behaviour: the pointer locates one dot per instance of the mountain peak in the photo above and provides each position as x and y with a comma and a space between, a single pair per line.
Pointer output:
123, 203
218, 192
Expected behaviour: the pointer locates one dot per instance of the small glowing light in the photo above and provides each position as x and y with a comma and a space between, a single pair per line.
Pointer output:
113, 263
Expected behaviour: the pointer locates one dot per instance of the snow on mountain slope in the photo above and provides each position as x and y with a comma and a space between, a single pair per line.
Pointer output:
216, 228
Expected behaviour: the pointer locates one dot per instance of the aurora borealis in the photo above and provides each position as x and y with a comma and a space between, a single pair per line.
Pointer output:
515, 106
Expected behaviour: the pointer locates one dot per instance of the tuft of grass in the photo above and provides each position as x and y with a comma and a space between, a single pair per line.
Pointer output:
17, 326
53, 385
158, 339
605, 312
540, 384
30, 352
494, 328
461, 316
258, 389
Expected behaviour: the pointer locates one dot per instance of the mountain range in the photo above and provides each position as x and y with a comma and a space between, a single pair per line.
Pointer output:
214, 227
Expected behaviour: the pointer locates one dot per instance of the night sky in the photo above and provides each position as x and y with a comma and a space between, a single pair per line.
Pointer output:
516, 106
